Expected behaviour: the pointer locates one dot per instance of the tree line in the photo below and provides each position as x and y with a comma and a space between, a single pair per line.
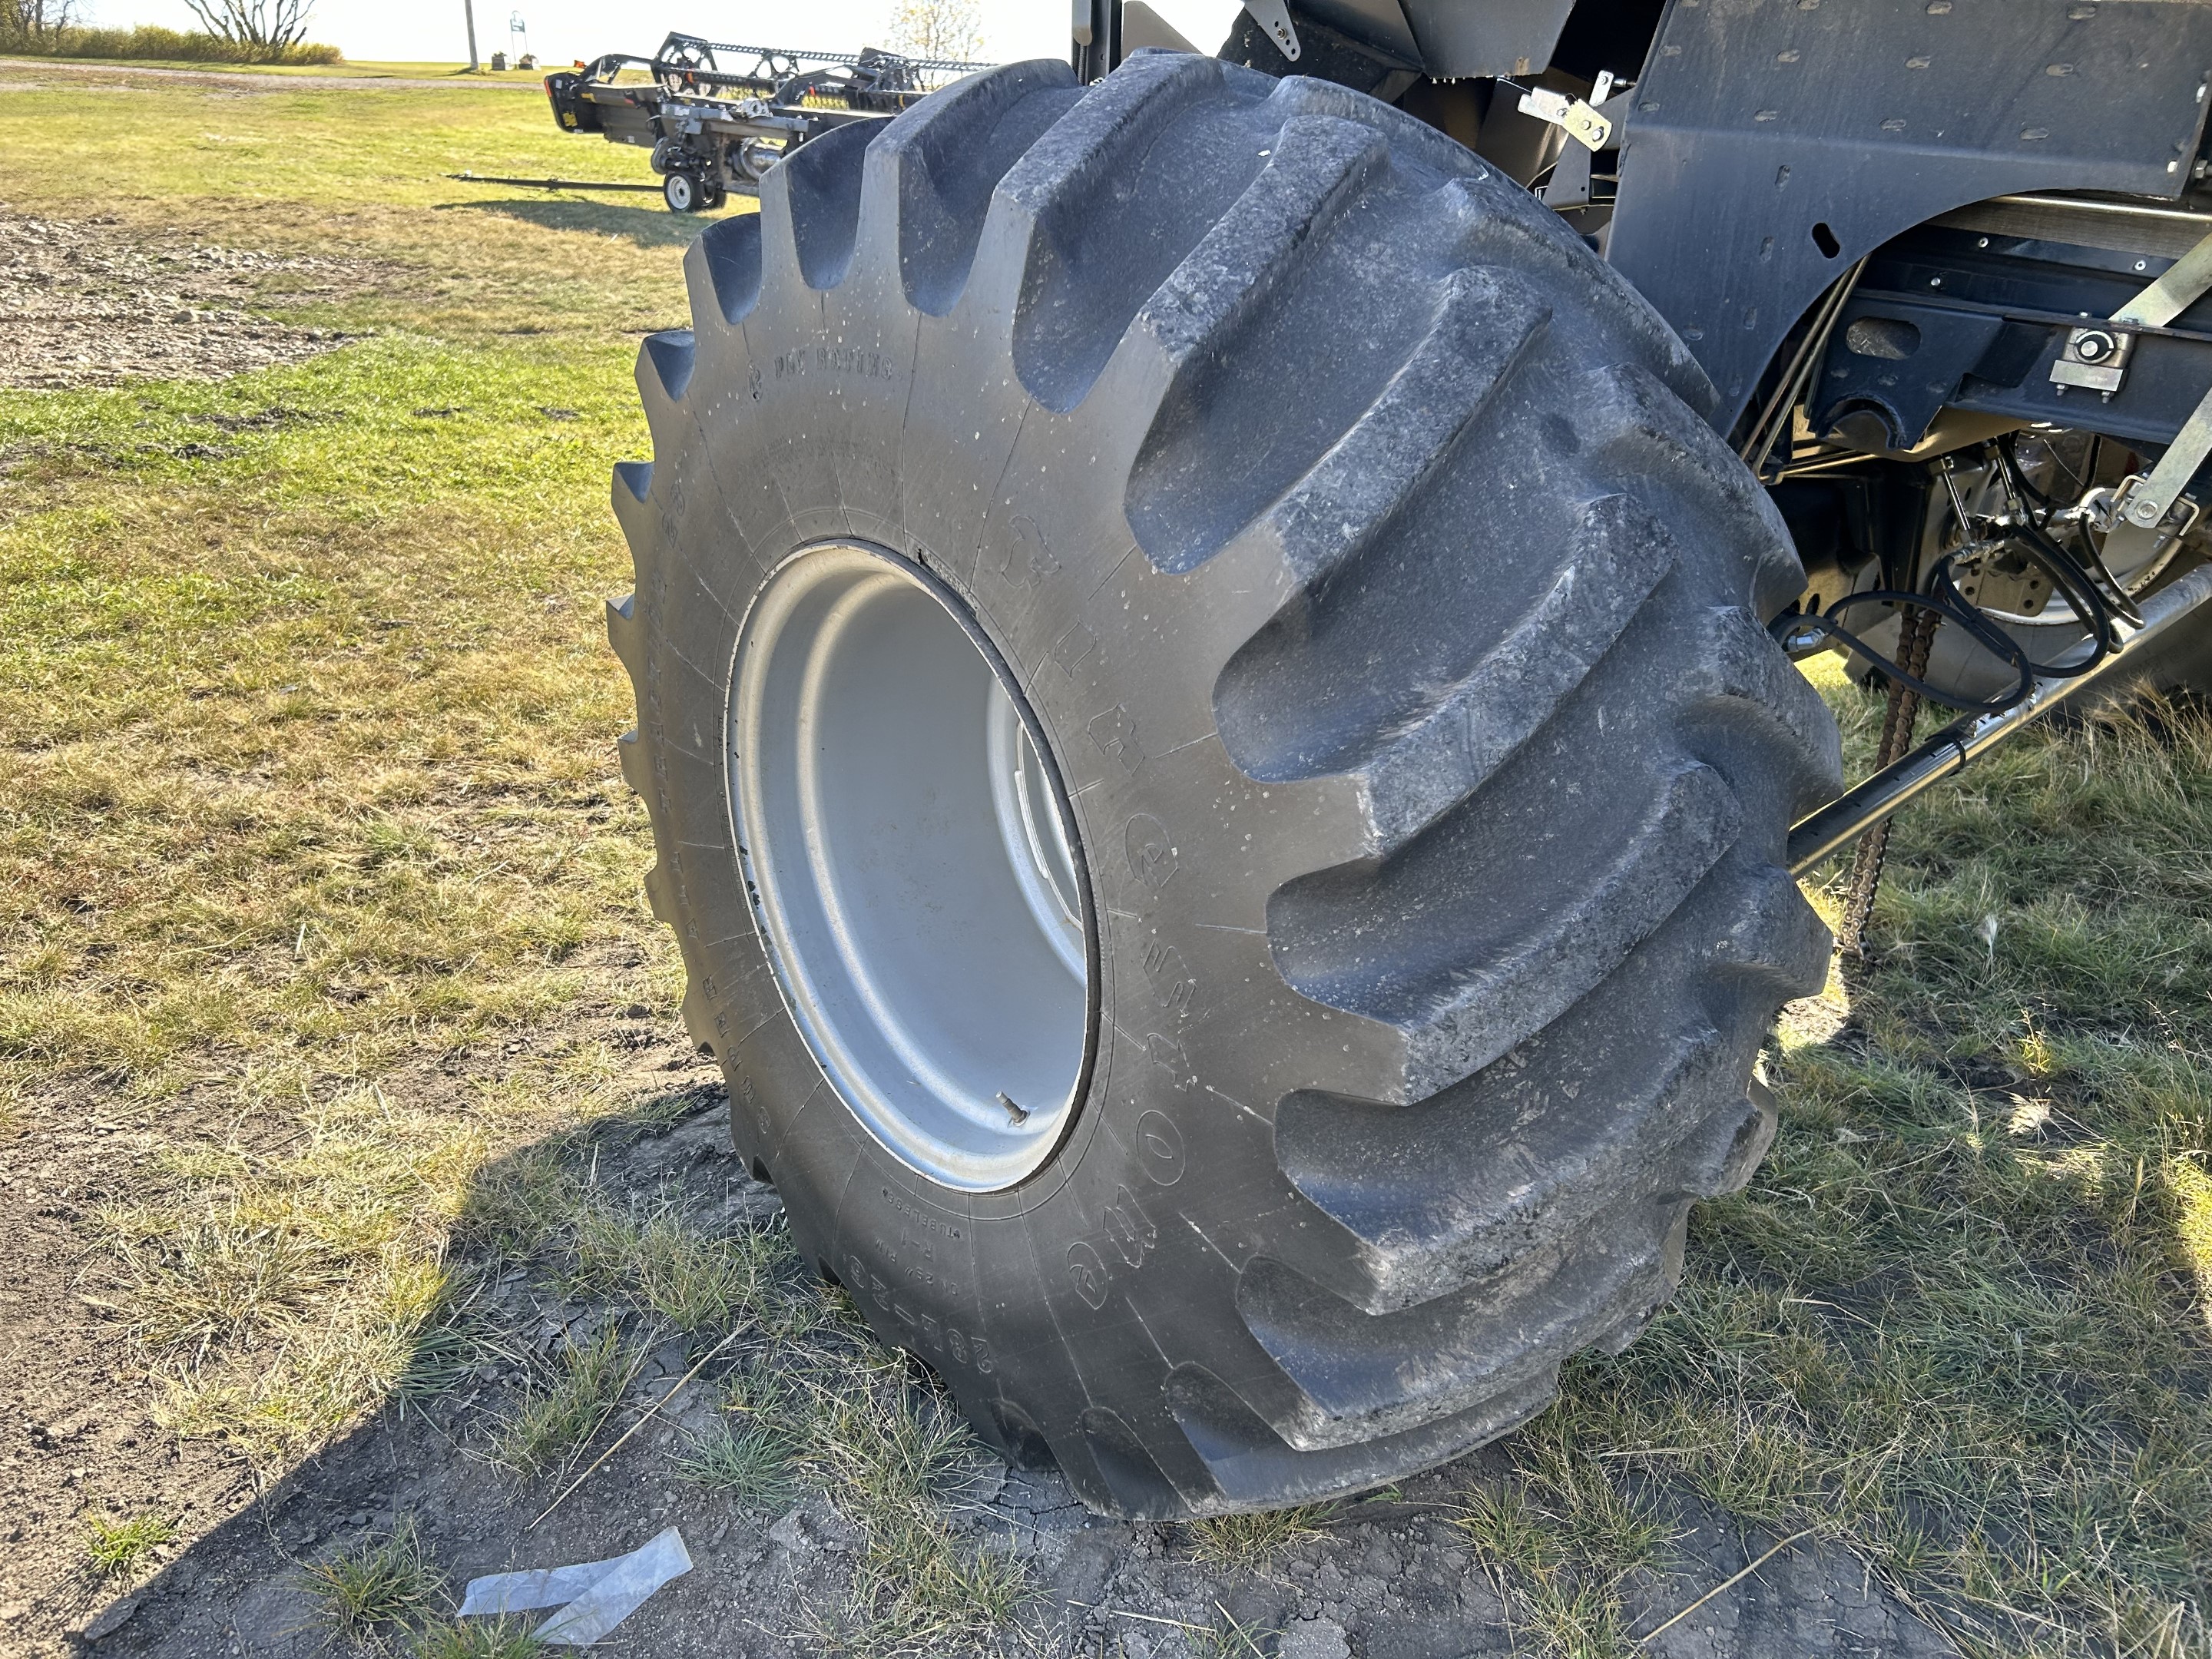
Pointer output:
231, 32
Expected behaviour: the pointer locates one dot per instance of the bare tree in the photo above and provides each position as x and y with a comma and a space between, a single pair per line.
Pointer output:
937, 28
264, 26
35, 20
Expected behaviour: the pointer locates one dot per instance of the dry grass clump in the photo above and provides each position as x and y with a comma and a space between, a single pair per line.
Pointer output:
1228, 1637
373, 1583
756, 1465
891, 1455
561, 1410
477, 1638
1563, 1539
658, 1255
377, 1596
1248, 1542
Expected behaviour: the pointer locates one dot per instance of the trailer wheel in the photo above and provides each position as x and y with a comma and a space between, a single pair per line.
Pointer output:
681, 192
1215, 765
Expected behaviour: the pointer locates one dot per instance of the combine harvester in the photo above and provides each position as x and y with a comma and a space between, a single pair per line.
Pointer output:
714, 129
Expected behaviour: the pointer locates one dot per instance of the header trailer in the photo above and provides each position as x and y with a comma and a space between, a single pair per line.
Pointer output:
716, 116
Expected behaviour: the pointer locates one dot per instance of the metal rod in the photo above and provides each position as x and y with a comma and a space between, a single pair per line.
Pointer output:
1857, 810
1796, 380
850, 58
545, 183
2179, 287
2118, 209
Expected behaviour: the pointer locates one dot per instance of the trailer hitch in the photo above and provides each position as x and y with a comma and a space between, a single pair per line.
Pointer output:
1858, 809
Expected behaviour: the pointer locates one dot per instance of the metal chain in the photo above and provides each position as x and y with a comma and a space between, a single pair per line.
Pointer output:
1915, 632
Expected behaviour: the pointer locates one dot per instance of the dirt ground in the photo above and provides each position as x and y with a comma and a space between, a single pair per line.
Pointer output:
80, 306
39, 69
1386, 1579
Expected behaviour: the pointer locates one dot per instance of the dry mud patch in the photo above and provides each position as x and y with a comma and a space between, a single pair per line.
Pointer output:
90, 303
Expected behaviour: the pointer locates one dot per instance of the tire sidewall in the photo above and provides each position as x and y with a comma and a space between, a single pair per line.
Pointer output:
973, 1284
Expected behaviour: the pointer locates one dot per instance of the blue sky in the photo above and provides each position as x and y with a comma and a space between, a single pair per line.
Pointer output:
563, 30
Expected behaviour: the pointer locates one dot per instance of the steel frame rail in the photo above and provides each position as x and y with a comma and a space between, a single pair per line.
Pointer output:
1851, 814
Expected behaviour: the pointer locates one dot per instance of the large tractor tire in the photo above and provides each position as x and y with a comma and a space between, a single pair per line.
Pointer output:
1215, 767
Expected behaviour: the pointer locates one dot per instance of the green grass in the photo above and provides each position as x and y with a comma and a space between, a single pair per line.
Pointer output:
1249, 1542
1562, 1540
694, 1280
376, 1596
1228, 1638
358, 173
755, 1465
479, 1638
122, 1550
890, 1454
314, 842
1959, 1321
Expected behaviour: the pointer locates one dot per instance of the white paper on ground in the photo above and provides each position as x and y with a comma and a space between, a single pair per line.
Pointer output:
593, 1598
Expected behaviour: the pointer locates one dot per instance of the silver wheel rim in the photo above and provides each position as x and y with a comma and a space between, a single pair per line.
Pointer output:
912, 863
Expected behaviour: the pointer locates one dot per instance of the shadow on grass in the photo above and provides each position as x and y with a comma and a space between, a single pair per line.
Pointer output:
642, 226
613, 1290
426, 1456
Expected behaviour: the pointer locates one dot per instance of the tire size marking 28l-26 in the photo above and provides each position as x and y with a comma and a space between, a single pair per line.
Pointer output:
939, 1338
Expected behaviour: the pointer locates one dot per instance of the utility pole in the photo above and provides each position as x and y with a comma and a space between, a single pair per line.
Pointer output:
469, 11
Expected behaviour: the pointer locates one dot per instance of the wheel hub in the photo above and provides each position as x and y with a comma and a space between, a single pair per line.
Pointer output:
912, 859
